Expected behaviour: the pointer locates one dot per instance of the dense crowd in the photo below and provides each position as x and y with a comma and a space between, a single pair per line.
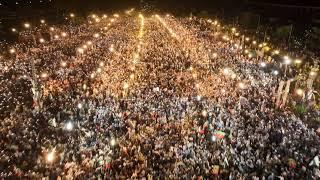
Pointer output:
145, 97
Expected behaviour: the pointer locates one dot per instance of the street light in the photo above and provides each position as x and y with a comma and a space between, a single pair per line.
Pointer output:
13, 30
27, 25
42, 21
41, 40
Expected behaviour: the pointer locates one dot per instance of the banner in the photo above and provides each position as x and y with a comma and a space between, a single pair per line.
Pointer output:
279, 94
286, 92
219, 134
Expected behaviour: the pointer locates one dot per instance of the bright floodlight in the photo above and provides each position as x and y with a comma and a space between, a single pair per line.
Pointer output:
42, 21
13, 30
69, 126
79, 105
72, 15
275, 72
63, 34
41, 40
